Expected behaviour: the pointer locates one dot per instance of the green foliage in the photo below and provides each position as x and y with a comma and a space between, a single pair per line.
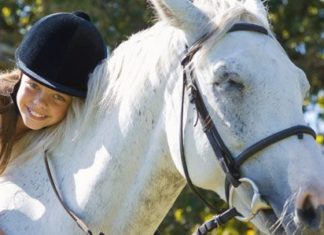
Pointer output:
116, 20
15, 17
298, 25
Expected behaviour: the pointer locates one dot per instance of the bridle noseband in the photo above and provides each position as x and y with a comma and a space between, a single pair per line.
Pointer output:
229, 164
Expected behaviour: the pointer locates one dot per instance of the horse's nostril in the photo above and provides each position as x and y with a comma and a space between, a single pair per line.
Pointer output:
309, 214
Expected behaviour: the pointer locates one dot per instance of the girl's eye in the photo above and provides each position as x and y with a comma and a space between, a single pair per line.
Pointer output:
58, 97
33, 85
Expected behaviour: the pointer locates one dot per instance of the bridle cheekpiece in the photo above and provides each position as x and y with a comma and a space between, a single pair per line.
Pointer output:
229, 164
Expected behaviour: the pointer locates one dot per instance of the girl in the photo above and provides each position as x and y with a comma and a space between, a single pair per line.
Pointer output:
54, 62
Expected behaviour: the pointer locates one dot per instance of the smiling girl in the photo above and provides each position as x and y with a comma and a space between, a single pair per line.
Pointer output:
39, 106
55, 61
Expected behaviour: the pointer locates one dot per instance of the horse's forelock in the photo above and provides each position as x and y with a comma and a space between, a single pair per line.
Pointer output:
224, 14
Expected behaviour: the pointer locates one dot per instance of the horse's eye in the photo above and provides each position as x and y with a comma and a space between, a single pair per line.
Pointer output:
229, 80
235, 84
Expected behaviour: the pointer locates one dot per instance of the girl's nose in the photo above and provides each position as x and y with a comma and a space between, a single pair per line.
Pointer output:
40, 101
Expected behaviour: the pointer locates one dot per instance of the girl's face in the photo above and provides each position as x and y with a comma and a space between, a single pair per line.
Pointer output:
40, 106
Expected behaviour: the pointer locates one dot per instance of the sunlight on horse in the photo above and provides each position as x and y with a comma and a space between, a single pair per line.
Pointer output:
118, 166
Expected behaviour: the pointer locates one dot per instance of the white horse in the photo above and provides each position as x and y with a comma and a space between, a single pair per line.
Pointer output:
123, 172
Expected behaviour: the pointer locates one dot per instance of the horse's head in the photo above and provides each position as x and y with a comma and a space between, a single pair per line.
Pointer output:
251, 90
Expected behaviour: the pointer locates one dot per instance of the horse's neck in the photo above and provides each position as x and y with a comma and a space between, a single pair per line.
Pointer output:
127, 170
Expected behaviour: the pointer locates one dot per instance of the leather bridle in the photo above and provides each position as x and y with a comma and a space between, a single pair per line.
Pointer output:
229, 164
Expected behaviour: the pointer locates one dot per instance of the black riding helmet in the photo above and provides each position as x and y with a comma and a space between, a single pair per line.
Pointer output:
60, 51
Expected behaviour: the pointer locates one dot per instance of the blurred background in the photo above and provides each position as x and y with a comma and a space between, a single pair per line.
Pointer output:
298, 25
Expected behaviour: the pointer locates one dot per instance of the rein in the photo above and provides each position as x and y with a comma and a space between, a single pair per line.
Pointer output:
81, 224
77, 219
229, 164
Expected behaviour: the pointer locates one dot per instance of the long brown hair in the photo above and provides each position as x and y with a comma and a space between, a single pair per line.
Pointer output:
9, 116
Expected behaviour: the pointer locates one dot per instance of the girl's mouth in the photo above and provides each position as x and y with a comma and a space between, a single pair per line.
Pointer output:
35, 115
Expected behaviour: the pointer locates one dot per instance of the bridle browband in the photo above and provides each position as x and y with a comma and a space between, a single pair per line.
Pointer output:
229, 164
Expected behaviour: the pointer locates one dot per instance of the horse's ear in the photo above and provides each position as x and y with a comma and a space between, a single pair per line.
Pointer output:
182, 14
